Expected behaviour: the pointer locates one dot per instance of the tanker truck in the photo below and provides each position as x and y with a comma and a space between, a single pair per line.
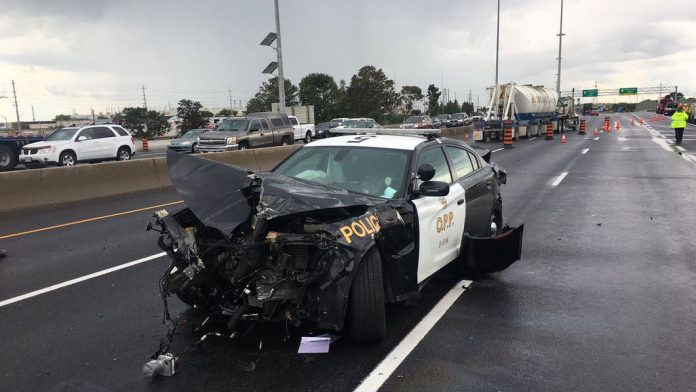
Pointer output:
528, 107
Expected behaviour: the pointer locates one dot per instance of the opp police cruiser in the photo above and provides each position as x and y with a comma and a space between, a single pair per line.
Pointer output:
336, 230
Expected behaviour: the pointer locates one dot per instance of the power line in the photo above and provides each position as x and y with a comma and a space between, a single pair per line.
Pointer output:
144, 98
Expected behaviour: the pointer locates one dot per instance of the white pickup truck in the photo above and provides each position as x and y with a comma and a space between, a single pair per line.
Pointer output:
302, 131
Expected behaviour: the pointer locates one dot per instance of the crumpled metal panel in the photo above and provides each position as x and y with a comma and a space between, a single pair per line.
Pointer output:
220, 195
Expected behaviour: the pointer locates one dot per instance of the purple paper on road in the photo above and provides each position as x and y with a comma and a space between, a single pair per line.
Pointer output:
314, 345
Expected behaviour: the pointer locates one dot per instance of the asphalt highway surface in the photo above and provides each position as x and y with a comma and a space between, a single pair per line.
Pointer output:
603, 298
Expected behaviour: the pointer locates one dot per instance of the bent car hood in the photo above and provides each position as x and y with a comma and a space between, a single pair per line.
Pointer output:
221, 197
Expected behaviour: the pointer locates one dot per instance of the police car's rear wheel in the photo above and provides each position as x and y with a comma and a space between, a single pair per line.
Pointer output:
367, 319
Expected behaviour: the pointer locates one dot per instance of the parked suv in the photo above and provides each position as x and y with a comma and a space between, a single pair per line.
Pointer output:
92, 143
263, 129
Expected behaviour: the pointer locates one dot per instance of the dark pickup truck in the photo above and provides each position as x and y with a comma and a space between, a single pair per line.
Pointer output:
10, 147
264, 129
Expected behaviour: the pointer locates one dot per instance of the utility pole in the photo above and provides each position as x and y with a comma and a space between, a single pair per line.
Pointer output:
497, 44
279, 51
14, 92
231, 105
94, 120
144, 98
560, 40
33, 118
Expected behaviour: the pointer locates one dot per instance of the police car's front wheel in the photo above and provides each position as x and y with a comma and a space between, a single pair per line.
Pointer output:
367, 319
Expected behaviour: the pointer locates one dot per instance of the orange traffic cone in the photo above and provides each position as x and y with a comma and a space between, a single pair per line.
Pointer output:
595, 132
466, 136
663, 117
618, 126
642, 121
563, 139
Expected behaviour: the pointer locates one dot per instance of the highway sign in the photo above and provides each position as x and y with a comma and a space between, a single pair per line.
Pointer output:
628, 91
589, 93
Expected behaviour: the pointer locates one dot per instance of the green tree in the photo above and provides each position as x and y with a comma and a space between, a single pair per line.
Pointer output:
341, 107
371, 93
268, 94
207, 114
467, 107
190, 114
224, 113
320, 90
62, 117
409, 96
155, 125
433, 95
133, 118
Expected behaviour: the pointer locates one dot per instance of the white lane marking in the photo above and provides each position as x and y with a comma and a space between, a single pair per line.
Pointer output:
381, 373
500, 149
680, 148
662, 143
559, 179
585, 151
80, 279
533, 138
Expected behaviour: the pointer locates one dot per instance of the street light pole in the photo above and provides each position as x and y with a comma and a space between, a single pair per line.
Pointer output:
19, 124
560, 40
497, 44
281, 79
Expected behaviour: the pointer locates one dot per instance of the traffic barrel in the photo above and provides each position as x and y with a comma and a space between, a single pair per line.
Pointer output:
582, 127
607, 127
146, 148
507, 134
549, 131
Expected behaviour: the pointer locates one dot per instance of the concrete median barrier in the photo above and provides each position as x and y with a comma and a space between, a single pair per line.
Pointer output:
39, 188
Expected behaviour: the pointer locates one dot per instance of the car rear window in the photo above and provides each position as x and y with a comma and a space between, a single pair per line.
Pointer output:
120, 131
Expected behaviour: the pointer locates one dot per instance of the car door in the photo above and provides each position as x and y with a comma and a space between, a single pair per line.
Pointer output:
255, 138
86, 144
478, 186
106, 141
267, 134
441, 219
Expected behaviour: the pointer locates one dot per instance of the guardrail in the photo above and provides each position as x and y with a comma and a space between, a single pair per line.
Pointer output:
50, 187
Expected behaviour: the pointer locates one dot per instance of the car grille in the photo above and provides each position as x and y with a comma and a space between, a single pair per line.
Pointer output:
30, 151
212, 142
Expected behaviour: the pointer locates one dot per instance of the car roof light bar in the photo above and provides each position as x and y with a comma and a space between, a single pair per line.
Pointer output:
429, 133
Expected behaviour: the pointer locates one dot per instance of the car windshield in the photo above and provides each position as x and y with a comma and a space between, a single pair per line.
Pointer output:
413, 120
350, 123
458, 116
233, 124
192, 134
62, 134
324, 125
373, 171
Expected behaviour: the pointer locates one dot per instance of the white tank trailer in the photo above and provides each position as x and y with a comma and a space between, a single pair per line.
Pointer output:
528, 107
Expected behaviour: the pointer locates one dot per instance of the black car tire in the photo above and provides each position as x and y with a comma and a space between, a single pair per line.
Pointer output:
8, 160
308, 137
285, 141
123, 154
243, 146
67, 158
367, 315
193, 148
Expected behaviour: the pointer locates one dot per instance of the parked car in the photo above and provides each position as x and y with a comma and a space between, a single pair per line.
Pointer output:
457, 120
335, 231
264, 129
68, 146
303, 132
339, 121
441, 120
188, 142
417, 122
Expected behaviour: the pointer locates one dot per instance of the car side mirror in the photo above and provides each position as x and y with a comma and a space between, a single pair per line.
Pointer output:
434, 188
81, 138
426, 172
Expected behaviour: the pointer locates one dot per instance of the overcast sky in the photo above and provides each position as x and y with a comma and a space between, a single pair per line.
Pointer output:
77, 54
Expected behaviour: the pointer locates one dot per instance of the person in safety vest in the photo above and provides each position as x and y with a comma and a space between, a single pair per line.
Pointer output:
679, 123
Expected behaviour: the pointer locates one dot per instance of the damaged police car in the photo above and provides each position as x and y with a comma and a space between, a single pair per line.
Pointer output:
338, 229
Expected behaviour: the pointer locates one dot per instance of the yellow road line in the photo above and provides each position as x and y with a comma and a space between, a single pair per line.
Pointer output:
89, 220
